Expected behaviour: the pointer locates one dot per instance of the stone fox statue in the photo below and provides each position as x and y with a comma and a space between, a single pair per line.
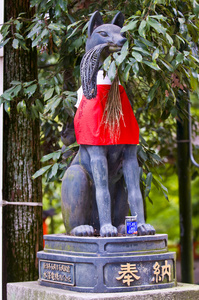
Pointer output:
102, 182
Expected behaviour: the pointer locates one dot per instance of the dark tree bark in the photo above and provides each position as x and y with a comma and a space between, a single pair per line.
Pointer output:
22, 225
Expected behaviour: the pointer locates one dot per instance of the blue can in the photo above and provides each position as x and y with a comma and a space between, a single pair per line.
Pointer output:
131, 225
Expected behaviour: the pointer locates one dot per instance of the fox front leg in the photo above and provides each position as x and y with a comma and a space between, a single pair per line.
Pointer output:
99, 168
131, 175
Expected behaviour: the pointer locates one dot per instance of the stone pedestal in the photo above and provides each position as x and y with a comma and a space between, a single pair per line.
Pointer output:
107, 265
34, 291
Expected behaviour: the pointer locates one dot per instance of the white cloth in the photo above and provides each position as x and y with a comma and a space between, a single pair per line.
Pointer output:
100, 80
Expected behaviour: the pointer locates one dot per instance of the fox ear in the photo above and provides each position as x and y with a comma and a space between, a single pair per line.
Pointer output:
95, 21
118, 19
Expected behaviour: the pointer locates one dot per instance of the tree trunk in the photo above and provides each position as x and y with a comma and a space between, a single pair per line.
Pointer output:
22, 225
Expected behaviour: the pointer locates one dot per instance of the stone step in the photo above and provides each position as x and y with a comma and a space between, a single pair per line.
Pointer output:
34, 291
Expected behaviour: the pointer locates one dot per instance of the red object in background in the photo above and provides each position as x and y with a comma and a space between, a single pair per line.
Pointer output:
196, 250
45, 227
176, 248
45, 230
47, 213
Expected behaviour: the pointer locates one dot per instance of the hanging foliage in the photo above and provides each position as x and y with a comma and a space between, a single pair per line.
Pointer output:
157, 65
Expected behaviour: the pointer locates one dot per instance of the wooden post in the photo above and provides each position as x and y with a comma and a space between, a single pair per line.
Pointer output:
185, 205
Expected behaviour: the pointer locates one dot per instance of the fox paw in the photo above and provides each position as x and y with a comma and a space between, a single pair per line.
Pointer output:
108, 230
145, 229
83, 230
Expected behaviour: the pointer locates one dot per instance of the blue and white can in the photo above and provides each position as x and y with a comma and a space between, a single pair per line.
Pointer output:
131, 225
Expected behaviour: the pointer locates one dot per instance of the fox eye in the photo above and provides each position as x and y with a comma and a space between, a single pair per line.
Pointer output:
103, 33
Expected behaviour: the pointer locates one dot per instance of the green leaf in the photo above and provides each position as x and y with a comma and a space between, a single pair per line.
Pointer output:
35, 30
36, 41
18, 25
149, 179
142, 154
112, 71
15, 44
48, 94
180, 38
54, 155
172, 51
39, 106
34, 112
47, 157
159, 17
63, 5
16, 90
152, 91
194, 82
73, 24
56, 26
31, 90
196, 8
124, 52
137, 56
15, 82
174, 112
142, 28
41, 171
7, 107
167, 65
126, 72
21, 106
44, 33
169, 38
19, 36
107, 63
164, 187
143, 51
131, 26
73, 32
120, 58
146, 42
5, 29
135, 68
6, 96
195, 58
57, 155
54, 170
152, 65
166, 196
2, 44
179, 58
53, 103
156, 157
23, 44
26, 84
75, 144
155, 54
156, 25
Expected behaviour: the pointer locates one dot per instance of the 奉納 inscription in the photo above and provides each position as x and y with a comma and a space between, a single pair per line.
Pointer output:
57, 272
160, 272
128, 273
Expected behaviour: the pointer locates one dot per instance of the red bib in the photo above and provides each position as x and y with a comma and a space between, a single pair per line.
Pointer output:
90, 130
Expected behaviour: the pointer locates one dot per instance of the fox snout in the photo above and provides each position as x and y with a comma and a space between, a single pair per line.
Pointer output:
117, 44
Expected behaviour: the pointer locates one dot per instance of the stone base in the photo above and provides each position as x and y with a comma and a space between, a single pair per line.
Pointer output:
34, 291
107, 265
